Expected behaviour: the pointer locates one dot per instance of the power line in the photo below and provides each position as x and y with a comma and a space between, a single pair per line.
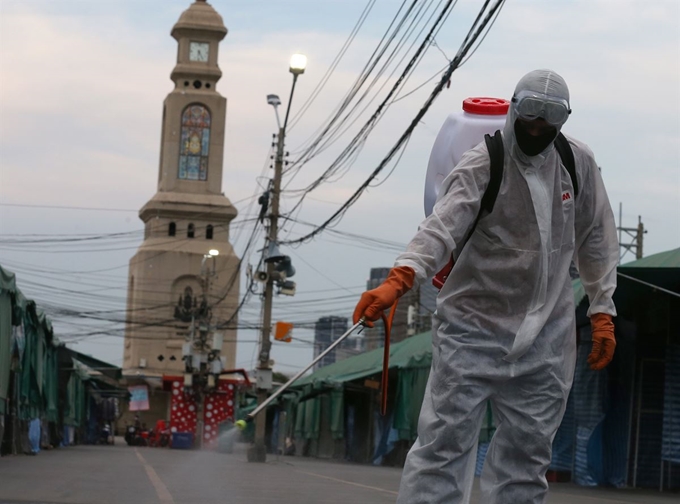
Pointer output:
471, 37
370, 65
96, 209
359, 139
324, 80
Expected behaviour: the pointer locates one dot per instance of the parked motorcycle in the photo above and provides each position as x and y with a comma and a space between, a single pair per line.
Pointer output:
105, 435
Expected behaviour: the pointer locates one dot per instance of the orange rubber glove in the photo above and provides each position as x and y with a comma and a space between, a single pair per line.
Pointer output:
374, 302
604, 343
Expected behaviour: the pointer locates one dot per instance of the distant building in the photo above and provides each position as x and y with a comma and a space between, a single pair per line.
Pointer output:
414, 312
353, 345
326, 331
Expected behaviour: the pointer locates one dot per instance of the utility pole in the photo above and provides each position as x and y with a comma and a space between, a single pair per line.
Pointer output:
202, 346
201, 353
258, 452
636, 233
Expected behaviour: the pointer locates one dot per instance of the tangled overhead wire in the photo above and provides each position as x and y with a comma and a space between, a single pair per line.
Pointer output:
472, 36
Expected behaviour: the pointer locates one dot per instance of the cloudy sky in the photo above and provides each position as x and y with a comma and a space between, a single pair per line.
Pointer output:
81, 91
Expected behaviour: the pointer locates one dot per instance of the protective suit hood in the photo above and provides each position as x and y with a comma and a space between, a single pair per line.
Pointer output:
543, 83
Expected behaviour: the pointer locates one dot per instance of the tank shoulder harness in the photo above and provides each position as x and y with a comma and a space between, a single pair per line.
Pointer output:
494, 145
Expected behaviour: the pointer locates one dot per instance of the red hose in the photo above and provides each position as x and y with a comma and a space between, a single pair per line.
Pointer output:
387, 322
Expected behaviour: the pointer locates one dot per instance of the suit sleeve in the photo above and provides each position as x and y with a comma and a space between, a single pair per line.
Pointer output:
444, 231
597, 245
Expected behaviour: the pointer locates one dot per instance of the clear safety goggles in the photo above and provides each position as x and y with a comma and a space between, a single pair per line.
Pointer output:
530, 105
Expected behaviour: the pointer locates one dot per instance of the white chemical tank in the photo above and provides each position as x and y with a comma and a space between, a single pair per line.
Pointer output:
461, 132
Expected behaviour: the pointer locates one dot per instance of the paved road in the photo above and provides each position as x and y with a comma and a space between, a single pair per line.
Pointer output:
124, 475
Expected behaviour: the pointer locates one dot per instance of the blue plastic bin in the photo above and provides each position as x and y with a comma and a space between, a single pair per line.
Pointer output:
182, 440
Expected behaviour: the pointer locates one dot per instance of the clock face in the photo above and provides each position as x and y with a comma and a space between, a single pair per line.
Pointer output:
198, 51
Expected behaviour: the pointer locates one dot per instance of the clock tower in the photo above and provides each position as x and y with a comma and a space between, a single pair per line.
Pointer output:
172, 275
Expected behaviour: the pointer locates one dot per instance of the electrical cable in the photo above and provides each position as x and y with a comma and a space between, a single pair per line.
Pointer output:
360, 80
329, 72
370, 124
452, 67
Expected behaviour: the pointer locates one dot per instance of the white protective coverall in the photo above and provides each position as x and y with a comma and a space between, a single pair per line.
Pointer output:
504, 328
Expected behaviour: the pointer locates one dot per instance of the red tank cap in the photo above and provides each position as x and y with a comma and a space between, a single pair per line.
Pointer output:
486, 106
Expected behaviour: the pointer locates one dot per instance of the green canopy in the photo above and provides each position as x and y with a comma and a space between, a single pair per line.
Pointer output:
579, 291
415, 351
7, 288
41, 359
669, 259
662, 270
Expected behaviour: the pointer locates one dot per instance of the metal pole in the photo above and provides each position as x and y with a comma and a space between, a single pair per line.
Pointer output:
290, 101
202, 373
651, 285
280, 390
640, 234
620, 229
631, 411
637, 427
259, 450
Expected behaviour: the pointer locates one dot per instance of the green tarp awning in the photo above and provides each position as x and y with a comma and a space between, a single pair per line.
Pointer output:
8, 287
669, 259
5, 338
662, 270
415, 351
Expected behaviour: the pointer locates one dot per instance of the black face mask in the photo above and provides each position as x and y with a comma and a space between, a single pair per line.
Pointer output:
533, 145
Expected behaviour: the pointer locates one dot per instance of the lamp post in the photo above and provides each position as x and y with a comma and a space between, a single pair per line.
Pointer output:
200, 348
258, 452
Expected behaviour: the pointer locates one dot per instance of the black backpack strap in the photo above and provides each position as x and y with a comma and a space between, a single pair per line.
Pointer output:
496, 154
567, 156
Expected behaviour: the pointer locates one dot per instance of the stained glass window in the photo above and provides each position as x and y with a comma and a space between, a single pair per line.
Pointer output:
194, 143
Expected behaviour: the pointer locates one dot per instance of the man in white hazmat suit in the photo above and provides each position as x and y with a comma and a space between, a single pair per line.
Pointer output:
504, 329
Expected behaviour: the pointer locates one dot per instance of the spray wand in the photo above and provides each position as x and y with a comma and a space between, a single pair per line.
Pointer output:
241, 424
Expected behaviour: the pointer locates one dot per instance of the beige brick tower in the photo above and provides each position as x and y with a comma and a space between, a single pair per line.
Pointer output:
188, 216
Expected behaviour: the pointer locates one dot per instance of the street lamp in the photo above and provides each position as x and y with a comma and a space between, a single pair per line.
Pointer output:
201, 351
205, 274
258, 452
298, 63
212, 253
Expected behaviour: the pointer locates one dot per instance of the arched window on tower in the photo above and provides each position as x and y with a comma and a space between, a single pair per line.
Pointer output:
190, 231
209, 232
194, 143
184, 308
172, 229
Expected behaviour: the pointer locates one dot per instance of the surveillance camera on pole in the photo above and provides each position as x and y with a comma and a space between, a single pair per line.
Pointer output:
287, 288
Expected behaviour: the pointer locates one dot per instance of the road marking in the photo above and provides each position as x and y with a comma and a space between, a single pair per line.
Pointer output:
161, 490
594, 498
348, 482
